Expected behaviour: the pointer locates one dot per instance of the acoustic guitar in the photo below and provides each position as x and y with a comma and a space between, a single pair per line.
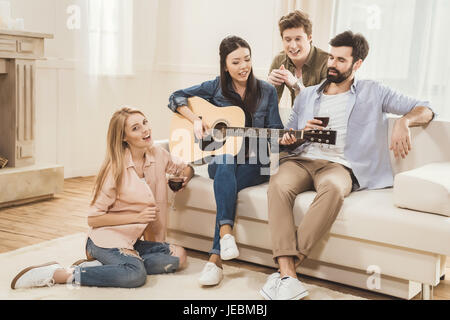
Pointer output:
227, 132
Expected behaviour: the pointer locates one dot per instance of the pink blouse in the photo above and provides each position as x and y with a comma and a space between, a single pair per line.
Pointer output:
135, 195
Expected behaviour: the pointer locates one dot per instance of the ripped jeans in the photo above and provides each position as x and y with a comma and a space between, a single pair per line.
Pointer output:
124, 270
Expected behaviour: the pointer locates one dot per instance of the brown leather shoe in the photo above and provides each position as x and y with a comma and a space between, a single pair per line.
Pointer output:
78, 262
87, 263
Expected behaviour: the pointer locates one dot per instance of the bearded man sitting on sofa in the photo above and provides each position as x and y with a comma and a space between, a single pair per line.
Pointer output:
357, 110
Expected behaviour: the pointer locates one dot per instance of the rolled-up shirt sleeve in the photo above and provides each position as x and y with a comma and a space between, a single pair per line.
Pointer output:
293, 116
398, 103
204, 90
293, 122
105, 199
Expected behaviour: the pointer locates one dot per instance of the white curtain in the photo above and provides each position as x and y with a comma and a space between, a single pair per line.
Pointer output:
117, 37
114, 54
110, 36
409, 45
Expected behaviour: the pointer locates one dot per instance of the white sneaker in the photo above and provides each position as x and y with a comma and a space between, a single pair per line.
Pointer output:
290, 289
228, 248
36, 276
211, 275
268, 291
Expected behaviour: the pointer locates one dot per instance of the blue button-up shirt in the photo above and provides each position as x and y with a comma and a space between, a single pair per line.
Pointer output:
366, 145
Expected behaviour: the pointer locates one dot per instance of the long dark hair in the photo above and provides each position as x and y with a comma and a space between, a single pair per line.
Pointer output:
253, 90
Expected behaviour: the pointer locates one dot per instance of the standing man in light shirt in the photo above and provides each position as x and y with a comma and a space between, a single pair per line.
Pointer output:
359, 160
300, 64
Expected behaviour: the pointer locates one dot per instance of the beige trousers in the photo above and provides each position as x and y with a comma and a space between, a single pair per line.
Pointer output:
331, 180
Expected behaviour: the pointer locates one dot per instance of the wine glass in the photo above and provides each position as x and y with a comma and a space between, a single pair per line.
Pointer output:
175, 184
324, 116
325, 121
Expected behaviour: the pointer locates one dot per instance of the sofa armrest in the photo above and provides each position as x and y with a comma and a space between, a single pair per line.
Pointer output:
163, 143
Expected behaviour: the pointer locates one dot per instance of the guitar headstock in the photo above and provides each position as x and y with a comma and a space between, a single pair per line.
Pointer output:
320, 136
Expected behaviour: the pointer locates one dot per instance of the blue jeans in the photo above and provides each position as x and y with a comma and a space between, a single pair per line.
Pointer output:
230, 178
124, 270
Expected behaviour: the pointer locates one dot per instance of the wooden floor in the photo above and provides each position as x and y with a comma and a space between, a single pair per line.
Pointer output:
66, 214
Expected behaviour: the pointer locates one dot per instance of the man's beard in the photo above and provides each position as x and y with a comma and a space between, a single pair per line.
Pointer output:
339, 77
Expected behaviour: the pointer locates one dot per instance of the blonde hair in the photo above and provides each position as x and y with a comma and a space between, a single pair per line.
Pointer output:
115, 150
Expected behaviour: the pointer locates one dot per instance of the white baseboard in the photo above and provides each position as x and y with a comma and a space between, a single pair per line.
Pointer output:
81, 172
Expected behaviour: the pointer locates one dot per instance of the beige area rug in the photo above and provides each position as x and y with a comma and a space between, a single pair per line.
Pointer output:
238, 283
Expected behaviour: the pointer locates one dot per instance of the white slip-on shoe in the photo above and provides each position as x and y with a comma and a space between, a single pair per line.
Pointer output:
84, 263
228, 248
290, 289
268, 291
211, 275
36, 276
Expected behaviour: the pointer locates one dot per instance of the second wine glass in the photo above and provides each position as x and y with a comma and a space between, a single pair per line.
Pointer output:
175, 184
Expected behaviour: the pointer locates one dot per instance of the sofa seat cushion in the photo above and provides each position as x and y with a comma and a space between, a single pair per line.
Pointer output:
367, 214
424, 189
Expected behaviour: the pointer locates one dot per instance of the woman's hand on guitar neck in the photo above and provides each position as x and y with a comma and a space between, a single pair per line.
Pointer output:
287, 139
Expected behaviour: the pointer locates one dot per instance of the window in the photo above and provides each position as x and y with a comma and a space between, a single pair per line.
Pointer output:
110, 37
408, 42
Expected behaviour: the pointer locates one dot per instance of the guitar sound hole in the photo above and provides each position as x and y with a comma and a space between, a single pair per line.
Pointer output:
216, 139
220, 131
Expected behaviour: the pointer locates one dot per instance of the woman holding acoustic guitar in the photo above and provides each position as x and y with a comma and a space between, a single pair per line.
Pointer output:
236, 86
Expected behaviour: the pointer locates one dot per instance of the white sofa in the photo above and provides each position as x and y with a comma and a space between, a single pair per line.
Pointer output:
373, 244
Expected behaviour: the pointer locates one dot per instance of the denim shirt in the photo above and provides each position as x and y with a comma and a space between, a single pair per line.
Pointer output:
366, 145
266, 115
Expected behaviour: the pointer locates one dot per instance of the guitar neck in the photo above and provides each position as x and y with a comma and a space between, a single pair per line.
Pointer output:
261, 132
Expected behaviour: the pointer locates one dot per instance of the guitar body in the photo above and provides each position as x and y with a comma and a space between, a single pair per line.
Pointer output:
182, 141
227, 132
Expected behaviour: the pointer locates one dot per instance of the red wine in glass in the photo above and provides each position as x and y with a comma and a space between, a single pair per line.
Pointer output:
324, 120
175, 184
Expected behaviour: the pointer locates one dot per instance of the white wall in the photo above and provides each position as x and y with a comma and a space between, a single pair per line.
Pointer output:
190, 31
188, 43
175, 45
73, 108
